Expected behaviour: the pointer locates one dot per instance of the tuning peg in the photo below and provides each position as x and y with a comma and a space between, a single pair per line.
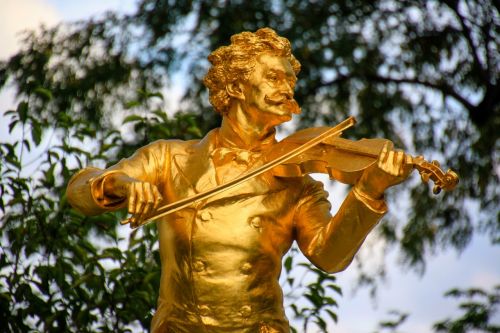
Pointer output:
436, 189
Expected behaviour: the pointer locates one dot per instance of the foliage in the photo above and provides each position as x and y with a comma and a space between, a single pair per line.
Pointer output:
423, 73
479, 310
391, 325
59, 270
316, 287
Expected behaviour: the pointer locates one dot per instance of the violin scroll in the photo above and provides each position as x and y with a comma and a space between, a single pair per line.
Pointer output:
432, 171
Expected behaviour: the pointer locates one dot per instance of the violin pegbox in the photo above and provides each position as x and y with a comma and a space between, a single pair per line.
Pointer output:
432, 171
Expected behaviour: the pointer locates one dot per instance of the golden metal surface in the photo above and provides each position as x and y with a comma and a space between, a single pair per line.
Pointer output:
183, 203
221, 256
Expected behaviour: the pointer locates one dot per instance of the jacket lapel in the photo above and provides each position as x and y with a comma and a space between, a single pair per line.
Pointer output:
196, 171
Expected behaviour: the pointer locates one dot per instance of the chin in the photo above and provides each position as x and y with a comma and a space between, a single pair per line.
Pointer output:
281, 112
286, 118
278, 120
279, 116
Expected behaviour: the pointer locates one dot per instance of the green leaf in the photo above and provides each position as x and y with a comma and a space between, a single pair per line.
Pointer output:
22, 111
49, 177
12, 125
83, 279
132, 104
195, 131
156, 94
336, 288
332, 315
44, 93
288, 264
36, 132
132, 118
161, 114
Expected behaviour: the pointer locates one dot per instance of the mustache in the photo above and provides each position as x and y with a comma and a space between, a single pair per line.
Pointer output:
279, 99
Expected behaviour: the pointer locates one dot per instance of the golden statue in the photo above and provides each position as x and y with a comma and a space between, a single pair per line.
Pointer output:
235, 213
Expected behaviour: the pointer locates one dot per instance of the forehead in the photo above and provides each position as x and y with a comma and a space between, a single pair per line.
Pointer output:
268, 62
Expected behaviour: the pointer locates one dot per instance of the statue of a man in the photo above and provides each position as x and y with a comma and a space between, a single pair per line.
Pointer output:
221, 257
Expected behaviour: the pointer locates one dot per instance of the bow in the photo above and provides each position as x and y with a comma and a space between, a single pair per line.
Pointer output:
183, 203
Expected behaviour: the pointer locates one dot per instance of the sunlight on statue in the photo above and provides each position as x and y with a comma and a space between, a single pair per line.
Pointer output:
221, 255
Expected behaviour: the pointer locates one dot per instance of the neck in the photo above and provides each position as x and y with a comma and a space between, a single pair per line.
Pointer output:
239, 130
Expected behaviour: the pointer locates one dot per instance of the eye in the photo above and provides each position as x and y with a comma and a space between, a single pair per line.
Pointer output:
272, 77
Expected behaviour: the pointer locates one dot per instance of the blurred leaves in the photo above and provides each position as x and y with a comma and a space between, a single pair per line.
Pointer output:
60, 270
423, 73
316, 287
479, 309
391, 325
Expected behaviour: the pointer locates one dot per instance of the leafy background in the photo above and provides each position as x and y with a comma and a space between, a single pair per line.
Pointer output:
423, 73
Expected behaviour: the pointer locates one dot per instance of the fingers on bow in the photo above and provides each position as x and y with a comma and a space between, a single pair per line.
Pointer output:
143, 199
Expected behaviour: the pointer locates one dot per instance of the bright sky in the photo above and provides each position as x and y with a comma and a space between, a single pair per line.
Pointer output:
421, 297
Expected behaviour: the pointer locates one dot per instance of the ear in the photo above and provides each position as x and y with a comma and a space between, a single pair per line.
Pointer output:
235, 90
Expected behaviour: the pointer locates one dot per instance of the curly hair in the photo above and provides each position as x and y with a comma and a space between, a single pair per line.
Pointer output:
236, 62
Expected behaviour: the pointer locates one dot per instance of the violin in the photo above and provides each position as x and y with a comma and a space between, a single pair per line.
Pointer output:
319, 150
345, 160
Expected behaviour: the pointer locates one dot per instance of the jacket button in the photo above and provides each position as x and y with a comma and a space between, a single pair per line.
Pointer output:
205, 216
256, 222
199, 266
246, 268
245, 311
203, 310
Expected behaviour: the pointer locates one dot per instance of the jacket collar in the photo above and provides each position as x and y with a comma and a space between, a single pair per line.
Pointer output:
196, 166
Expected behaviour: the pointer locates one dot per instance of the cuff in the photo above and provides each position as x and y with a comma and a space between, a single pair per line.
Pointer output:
375, 205
97, 191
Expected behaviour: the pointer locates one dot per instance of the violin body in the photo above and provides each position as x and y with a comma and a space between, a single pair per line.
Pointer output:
335, 157
345, 160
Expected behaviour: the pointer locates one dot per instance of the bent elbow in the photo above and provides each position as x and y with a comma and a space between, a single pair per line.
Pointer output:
78, 192
76, 199
330, 264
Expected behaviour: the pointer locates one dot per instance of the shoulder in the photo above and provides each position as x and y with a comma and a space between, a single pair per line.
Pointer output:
163, 148
312, 192
172, 146
312, 186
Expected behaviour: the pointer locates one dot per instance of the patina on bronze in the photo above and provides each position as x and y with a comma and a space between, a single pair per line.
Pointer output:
221, 255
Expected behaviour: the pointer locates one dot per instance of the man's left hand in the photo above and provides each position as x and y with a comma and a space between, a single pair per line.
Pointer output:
391, 168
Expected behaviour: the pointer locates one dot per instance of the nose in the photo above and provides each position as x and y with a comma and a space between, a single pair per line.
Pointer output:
288, 95
287, 91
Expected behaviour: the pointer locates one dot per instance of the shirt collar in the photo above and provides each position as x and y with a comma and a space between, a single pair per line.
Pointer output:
230, 139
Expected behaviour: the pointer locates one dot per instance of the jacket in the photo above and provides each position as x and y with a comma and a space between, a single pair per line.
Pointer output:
221, 258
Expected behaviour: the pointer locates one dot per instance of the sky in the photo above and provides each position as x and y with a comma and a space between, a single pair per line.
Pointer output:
404, 290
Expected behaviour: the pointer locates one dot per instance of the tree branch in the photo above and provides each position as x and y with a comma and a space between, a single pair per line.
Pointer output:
442, 87
487, 29
467, 32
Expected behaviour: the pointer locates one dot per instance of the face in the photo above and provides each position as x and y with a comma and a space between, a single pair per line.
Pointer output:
268, 93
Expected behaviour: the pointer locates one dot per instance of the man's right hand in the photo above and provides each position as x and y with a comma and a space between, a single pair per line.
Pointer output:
142, 197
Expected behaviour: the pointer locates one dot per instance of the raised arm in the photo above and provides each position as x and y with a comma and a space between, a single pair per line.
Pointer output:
331, 243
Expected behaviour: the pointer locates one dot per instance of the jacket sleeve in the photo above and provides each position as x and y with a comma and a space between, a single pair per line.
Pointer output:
85, 191
329, 242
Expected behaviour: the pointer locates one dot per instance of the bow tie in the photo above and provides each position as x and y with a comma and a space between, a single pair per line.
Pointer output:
225, 155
